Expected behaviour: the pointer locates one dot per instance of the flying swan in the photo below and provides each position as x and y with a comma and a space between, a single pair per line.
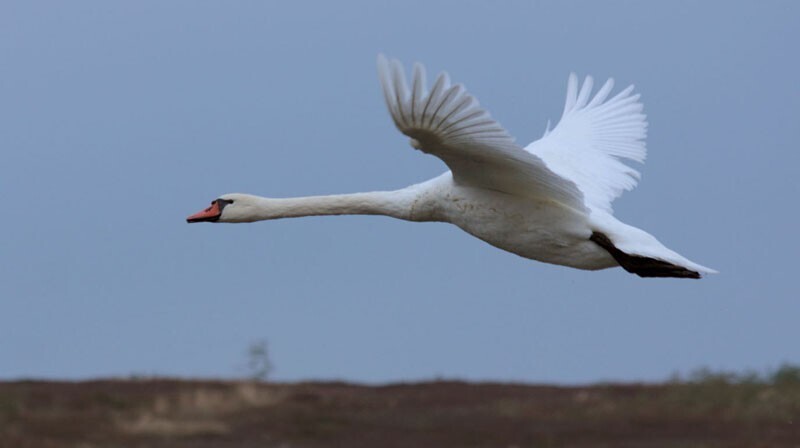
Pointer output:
550, 201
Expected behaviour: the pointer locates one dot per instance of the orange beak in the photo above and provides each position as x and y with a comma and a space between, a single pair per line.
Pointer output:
212, 213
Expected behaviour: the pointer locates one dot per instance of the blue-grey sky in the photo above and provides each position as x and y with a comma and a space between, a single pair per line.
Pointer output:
118, 119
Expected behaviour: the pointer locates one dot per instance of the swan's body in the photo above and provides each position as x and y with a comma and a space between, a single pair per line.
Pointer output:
549, 202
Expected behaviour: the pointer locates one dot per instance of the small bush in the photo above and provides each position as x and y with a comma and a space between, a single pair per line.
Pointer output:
259, 366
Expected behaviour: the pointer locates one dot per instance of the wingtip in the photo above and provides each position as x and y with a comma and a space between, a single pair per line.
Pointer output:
572, 94
382, 62
585, 92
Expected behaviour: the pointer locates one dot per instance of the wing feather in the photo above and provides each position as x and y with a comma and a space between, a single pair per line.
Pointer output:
591, 137
449, 123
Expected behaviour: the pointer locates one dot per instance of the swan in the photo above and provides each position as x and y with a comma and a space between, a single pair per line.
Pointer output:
549, 201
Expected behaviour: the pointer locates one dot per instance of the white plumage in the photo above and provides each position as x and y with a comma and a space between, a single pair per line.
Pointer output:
590, 139
550, 201
449, 123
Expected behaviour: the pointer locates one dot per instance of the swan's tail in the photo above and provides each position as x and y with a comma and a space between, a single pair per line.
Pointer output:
642, 254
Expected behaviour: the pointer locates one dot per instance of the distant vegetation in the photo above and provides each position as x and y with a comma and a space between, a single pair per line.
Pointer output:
747, 397
785, 375
705, 409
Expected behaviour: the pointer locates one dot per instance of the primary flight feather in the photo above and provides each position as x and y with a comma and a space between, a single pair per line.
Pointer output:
549, 201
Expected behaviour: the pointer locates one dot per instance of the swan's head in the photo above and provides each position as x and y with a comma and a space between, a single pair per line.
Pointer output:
234, 207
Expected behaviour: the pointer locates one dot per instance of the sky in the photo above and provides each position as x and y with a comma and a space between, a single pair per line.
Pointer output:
119, 119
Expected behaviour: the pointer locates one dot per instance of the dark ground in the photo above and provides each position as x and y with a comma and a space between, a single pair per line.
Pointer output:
177, 413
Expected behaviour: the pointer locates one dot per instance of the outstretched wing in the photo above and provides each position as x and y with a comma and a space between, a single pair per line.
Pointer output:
590, 139
448, 123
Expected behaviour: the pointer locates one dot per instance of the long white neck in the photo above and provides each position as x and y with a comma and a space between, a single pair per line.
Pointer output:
398, 204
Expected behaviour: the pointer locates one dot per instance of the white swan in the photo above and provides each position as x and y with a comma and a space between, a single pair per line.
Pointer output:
550, 201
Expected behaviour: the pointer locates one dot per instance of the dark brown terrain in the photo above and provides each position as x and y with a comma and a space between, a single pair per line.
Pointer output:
179, 413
